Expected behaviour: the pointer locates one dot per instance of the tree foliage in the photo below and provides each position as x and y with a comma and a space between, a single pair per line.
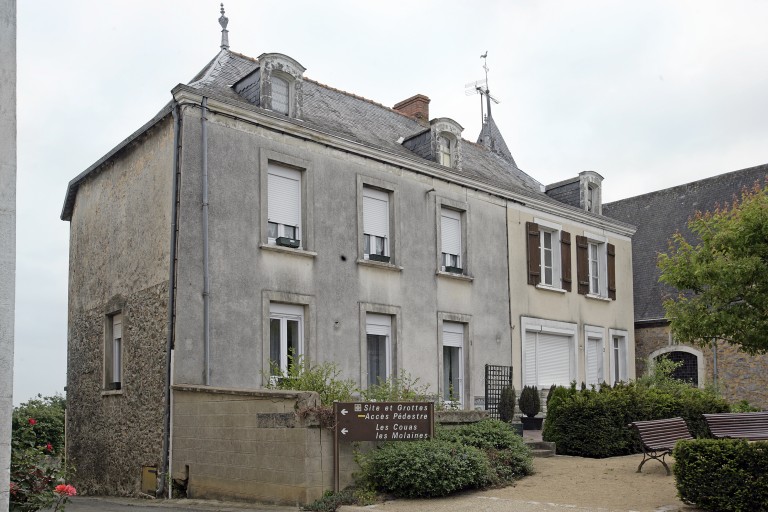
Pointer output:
722, 281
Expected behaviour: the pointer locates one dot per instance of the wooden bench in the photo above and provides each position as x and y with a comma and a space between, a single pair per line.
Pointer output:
659, 437
739, 425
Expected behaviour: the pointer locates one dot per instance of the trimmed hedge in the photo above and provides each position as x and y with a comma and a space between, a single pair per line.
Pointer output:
725, 475
592, 423
480, 454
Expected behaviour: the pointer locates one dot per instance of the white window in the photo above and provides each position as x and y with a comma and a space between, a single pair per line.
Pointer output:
444, 151
593, 349
618, 358
376, 224
549, 353
595, 276
286, 335
450, 233
284, 205
592, 199
113, 360
550, 258
378, 337
453, 363
280, 95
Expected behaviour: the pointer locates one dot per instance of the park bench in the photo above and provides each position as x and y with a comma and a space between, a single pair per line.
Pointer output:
739, 425
659, 437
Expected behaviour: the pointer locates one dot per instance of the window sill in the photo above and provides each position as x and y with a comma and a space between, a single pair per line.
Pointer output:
288, 250
111, 392
597, 297
451, 275
549, 288
379, 264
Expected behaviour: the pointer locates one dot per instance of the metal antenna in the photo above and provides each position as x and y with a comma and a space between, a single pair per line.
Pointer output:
481, 87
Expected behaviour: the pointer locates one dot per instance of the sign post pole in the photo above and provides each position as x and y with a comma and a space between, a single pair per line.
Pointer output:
336, 447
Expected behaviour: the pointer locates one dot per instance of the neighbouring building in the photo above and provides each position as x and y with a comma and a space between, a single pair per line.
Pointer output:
658, 215
260, 215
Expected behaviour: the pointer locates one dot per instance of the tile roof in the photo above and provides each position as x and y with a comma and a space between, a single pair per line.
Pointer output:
658, 215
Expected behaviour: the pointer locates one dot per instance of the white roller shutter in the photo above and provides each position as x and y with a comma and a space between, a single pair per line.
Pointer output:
453, 334
284, 195
450, 231
553, 359
529, 356
375, 212
594, 360
378, 324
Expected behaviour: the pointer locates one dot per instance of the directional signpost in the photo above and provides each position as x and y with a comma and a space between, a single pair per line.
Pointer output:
381, 421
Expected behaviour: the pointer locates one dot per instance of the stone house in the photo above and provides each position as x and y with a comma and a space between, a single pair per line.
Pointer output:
658, 216
262, 214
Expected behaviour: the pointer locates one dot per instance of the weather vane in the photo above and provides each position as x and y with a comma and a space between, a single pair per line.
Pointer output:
481, 87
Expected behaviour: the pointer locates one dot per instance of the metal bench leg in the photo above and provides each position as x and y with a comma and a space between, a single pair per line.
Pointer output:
648, 456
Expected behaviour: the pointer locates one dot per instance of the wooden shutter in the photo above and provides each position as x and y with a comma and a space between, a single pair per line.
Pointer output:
284, 196
534, 253
450, 231
565, 260
611, 271
375, 212
582, 264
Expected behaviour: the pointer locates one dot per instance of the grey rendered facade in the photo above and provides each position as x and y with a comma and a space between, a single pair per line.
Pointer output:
177, 246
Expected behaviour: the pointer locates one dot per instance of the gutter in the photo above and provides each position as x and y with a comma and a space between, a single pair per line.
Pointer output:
206, 273
171, 302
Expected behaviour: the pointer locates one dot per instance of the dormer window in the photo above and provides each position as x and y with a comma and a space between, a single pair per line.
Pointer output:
446, 142
275, 85
444, 151
590, 197
280, 95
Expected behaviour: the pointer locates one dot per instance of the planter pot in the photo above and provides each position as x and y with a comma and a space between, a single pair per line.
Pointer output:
517, 427
531, 423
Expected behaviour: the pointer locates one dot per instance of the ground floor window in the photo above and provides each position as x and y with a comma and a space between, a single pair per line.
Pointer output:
378, 337
618, 359
453, 363
549, 353
286, 328
594, 360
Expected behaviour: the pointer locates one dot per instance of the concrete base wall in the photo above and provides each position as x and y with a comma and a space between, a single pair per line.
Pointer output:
252, 446
740, 376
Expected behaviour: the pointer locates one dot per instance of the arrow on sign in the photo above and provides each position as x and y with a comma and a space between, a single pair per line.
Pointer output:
344, 431
344, 412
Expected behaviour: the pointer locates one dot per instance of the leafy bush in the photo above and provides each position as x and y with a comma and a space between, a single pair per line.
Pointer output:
48, 413
530, 403
744, 406
403, 388
331, 501
725, 475
507, 402
508, 455
549, 393
322, 378
425, 469
593, 423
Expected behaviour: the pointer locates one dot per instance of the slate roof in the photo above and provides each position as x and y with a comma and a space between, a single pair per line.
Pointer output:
497, 143
658, 215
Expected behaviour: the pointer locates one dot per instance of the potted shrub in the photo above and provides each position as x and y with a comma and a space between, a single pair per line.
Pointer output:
507, 402
530, 405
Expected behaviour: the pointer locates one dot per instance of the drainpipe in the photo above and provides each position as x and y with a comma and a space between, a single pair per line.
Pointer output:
206, 276
171, 303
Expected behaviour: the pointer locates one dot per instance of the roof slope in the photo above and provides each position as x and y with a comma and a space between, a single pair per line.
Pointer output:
492, 134
658, 215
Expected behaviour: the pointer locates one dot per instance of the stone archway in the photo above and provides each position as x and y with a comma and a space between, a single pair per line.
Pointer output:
692, 369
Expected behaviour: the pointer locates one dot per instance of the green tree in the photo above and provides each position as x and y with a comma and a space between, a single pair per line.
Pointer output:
722, 281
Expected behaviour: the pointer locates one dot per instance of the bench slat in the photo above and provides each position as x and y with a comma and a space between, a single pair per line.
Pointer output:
740, 425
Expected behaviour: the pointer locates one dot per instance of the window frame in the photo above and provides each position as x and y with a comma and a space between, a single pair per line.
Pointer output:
395, 355
369, 326
308, 327
552, 327
624, 352
393, 246
598, 333
560, 252
285, 312
606, 266
290, 92
466, 356
114, 364
306, 225
462, 208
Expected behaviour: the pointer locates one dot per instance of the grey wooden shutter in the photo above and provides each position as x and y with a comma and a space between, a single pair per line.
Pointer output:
565, 260
611, 271
582, 264
534, 253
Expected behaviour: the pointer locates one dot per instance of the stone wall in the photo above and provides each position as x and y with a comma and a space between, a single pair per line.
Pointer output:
112, 434
740, 376
252, 445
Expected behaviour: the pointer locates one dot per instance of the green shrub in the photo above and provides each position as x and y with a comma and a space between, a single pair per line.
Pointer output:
593, 423
322, 378
425, 469
725, 475
744, 406
530, 403
331, 501
403, 388
549, 393
509, 457
507, 402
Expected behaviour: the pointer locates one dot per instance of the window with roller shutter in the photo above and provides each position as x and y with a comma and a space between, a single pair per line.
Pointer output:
378, 335
548, 358
376, 224
284, 203
451, 246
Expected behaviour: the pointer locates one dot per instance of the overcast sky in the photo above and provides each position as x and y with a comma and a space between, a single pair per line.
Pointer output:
650, 94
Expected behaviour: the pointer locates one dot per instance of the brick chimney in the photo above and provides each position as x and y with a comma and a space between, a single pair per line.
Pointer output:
416, 107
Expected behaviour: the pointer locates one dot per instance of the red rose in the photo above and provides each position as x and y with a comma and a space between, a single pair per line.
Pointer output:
49, 447
32, 421
62, 489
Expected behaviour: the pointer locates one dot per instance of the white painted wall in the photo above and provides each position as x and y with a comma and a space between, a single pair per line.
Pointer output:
7, 233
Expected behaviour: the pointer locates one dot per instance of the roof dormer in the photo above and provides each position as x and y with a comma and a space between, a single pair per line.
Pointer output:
446, 142
275, 85
590, 184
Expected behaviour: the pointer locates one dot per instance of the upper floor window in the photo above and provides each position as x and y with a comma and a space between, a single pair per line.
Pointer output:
376, 237
280, 95
444, 150
284, 206
592, 198
450, 235
596, 266
549, 255
113, 352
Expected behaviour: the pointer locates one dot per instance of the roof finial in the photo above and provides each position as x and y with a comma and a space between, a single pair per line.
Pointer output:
223, 20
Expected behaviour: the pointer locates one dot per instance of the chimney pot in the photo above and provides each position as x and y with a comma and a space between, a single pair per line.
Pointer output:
416, 107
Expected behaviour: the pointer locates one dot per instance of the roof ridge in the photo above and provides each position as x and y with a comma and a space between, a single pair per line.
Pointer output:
246, 57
